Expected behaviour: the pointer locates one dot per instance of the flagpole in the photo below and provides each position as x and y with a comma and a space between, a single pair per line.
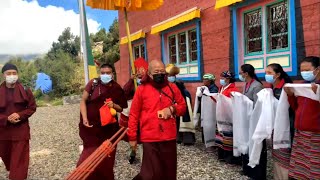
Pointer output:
83, 41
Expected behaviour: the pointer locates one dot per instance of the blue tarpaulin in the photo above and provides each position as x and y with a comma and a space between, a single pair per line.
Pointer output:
44, 83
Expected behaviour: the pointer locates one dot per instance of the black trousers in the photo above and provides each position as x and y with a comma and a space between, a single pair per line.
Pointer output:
259, 172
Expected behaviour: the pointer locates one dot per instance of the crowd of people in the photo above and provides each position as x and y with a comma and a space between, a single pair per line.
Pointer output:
235, 122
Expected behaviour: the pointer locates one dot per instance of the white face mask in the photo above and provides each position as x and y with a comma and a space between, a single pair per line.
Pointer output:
11, 79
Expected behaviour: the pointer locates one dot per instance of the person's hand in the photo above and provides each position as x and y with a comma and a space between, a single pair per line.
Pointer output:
288, 90
314, 87
13, 121
14, 116
110, 104
166, 113
133, 144
86, 123
133, 76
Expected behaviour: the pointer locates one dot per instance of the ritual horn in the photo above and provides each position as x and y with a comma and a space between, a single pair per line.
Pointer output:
91, 163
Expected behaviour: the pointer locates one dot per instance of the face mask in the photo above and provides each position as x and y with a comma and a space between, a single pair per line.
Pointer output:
269, 78
308, 75
11, 79
223, 82
138, 81
172, 79
105, 78
241, 78
158, 78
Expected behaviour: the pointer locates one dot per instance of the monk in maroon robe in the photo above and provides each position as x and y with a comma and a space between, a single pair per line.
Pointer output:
91, 131
17, 104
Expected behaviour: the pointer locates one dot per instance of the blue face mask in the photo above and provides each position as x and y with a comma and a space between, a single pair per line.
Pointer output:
105, 78
269, 78
223, 82
241, 78
308, 75
172, 79
138, 81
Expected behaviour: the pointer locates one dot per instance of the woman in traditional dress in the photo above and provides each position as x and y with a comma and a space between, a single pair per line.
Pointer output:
185, 127
276, 76
305, 155
224, 139
252, 87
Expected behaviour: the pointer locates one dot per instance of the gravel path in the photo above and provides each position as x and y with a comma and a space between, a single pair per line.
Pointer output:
55, 142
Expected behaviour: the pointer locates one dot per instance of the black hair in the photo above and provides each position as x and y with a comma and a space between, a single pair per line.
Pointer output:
314, 60
232, 80
277, 68
106, 65
180, 85
248, 68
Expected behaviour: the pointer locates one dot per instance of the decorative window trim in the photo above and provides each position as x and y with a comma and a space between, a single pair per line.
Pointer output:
138, 43
193, 76
243, 30
291, 52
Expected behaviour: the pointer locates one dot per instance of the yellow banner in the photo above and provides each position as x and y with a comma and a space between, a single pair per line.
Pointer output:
224, 3
178, 19
133, 37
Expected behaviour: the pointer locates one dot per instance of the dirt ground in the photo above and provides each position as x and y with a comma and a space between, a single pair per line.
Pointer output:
55, 151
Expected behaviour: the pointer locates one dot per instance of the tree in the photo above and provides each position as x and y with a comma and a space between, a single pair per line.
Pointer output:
101, 35
111, 52
67, 43
64, 73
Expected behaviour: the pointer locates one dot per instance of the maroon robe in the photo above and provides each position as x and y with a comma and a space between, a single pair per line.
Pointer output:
159, 161
14, 138
93, 137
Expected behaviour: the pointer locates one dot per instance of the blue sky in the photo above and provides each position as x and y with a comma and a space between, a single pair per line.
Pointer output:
30, 26
102, 16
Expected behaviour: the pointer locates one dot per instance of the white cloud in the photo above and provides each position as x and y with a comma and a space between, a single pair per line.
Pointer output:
26, 27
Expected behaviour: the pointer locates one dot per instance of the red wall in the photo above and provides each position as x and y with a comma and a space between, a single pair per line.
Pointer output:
308, 24
215, 32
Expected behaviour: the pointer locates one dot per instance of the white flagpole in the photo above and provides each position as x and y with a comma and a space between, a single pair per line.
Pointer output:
83, 40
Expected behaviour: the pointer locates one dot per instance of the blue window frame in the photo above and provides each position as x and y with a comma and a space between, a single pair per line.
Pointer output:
139, 49
278, 44
181, 45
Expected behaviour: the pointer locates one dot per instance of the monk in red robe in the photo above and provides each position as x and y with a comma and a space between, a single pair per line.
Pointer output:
92, 133
17, 104
155, 105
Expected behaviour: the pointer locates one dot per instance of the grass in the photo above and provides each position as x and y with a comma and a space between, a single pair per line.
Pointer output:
44, 102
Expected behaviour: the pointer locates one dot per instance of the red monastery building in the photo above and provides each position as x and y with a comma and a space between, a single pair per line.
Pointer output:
201, 39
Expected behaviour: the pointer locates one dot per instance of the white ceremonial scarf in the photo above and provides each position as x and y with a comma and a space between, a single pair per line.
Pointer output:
281, 134
274, 115
224, 113
242, 110
208, 114
265, 109
196, 115
187, 126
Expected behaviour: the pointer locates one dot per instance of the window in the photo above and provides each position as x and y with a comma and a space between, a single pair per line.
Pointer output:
277, 26
193, 51
181, 47
253, 31
172, 49
263, 32
139, 51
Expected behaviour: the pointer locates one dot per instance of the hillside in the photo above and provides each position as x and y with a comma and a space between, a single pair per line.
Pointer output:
27, 57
